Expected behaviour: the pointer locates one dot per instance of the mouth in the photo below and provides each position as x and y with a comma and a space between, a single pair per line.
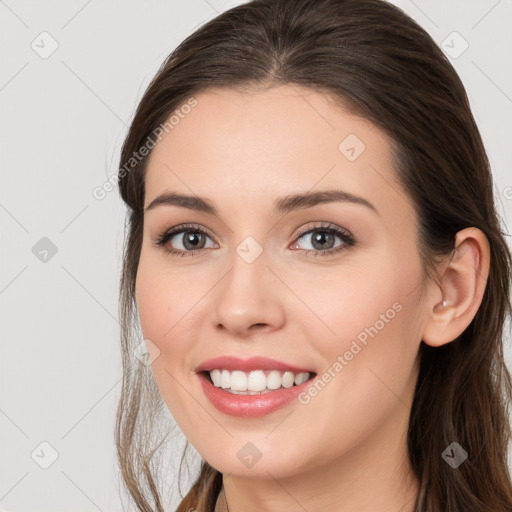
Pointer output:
253, 387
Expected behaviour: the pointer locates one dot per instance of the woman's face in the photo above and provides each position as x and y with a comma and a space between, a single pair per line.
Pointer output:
246, 282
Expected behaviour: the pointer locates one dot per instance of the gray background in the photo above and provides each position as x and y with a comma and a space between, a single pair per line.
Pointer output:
64, 117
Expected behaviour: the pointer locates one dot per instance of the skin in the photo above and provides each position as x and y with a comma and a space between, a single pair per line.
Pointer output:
346, 449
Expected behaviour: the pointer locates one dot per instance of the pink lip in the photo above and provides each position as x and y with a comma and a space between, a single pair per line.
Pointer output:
246, 365
249, 406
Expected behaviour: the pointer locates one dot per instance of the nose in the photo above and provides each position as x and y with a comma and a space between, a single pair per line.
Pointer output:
249, 299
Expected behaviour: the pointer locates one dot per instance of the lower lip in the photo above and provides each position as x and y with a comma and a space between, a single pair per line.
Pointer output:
250, 406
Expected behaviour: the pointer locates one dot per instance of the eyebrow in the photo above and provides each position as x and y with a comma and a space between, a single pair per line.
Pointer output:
282, 205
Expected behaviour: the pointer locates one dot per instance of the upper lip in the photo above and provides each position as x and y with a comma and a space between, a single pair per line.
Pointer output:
232, 363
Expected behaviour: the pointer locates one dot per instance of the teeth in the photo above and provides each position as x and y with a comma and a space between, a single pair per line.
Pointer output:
257, 381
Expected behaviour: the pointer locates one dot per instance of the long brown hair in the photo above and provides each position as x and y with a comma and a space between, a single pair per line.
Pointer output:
381, 65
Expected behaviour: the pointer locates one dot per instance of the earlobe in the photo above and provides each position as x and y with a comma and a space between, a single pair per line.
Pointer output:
453, 305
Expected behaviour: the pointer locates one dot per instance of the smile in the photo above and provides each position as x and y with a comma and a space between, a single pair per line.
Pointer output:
252, 387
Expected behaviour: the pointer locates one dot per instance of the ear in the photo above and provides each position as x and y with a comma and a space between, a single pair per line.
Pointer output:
461, 287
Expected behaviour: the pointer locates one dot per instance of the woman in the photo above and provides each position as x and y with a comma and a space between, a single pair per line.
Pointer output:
317, 269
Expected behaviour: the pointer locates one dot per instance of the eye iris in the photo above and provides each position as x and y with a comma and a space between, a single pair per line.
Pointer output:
193, 238
321, 237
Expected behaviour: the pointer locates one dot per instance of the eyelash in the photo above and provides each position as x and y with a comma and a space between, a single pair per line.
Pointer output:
347, 238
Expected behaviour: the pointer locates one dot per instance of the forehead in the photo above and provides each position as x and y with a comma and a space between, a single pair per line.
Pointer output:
253, 146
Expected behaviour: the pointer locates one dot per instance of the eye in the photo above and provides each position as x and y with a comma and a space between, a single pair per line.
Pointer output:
184, 240
322, 237
190, 239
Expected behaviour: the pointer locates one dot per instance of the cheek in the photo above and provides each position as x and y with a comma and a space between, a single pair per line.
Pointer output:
369, 368
171, 308
164, 302
164, 298
349, 299
368, 314
152, 295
